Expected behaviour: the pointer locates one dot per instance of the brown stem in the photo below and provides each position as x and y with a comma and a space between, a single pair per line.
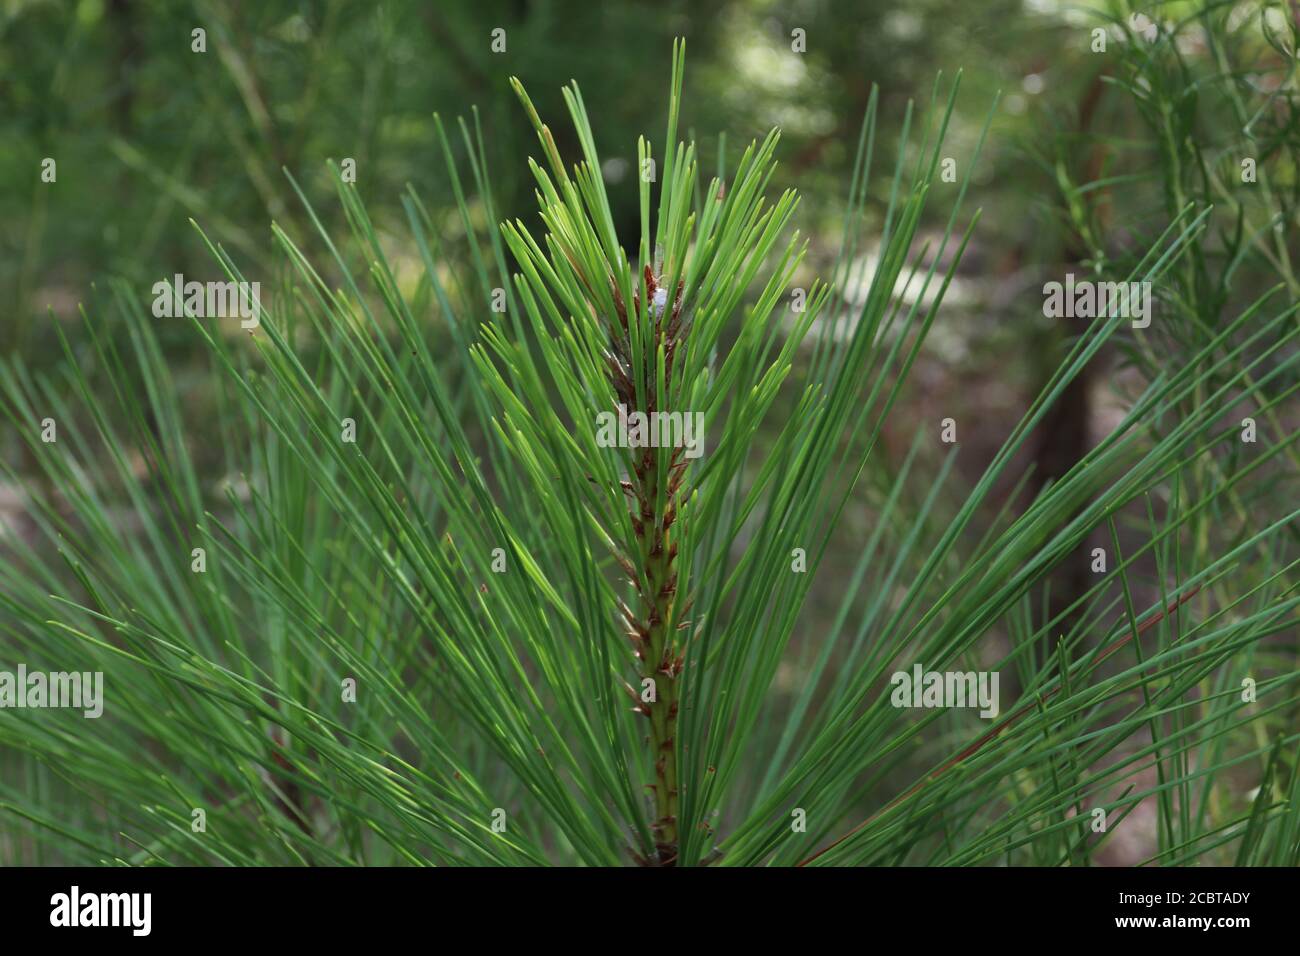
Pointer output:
660, 661
653, 623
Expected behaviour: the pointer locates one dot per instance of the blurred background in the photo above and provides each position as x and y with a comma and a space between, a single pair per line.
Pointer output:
1090, 155
147, 134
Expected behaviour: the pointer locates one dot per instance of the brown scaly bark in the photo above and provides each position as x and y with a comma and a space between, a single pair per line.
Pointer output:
653, 623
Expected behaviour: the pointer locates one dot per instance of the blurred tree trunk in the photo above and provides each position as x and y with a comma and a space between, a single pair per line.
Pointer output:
121, 14
1063, 437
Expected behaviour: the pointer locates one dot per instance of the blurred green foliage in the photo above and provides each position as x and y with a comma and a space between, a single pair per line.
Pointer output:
147, 133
